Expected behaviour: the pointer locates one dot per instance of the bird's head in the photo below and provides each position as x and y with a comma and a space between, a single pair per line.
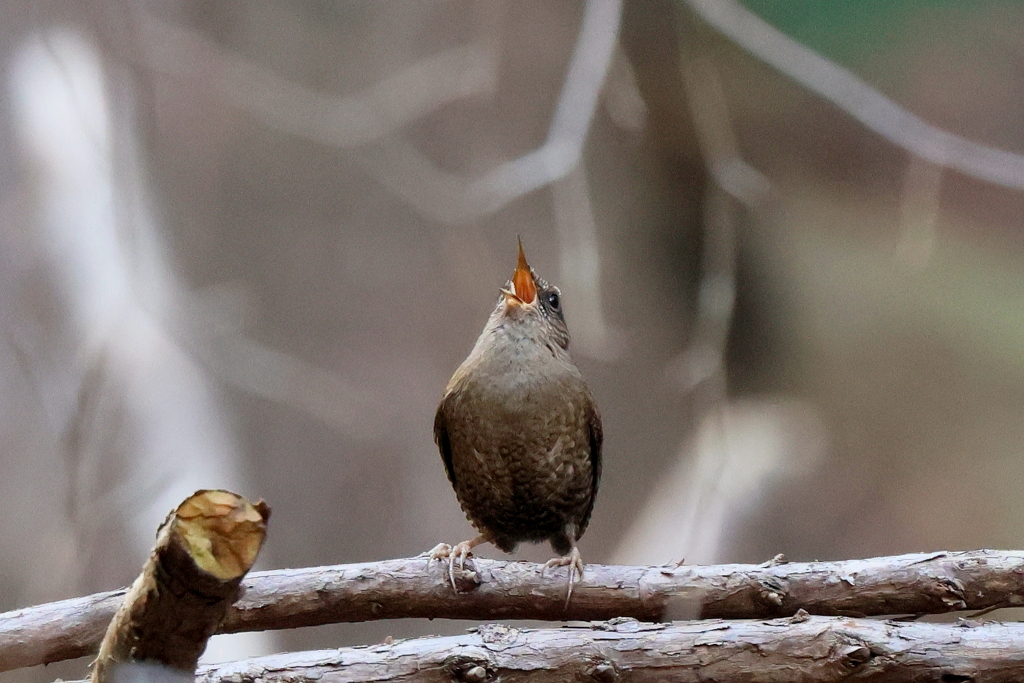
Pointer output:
527, 299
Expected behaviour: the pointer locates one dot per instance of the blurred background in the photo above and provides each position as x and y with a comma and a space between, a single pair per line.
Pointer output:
244, 245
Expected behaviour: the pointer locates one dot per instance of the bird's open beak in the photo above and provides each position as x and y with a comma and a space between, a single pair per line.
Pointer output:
522, 282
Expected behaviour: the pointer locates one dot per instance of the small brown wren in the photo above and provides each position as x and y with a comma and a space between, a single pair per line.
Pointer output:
519, 432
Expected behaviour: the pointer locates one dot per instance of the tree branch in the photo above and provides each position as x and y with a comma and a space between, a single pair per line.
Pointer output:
800, 648
343, 121
187, 585
859, 99
907, 584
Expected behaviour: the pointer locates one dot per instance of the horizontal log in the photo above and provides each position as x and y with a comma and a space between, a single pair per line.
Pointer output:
926, 583
798, 649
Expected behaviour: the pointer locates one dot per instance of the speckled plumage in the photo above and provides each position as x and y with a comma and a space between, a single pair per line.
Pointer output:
518, 429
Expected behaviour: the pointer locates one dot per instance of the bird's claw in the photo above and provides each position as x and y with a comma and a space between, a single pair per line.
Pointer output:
459, 550
575, 564
438, 552
462, 550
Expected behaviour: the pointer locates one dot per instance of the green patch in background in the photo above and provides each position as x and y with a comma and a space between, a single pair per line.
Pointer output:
850, 30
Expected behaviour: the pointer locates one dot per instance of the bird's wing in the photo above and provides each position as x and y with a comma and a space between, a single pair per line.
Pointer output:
596, 439
443, 443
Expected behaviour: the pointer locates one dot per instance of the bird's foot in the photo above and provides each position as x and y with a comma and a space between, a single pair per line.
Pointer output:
438, 552
460, 551
575, 564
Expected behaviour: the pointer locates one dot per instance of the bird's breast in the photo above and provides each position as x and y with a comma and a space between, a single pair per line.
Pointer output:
519, 440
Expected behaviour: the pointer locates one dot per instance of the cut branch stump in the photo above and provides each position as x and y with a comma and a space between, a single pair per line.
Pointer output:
192, 577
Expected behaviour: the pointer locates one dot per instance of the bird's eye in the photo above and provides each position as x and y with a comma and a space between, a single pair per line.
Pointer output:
553, 300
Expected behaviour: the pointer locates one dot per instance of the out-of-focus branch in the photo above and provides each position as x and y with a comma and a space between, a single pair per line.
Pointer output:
211, 326
906, 584
735, 182
712, 123
452, 199
261, 370
858, 99
622, 98
342, 121
96, 245
800, 648
367, 125
355, 121
561, 152
580, 265
687, 513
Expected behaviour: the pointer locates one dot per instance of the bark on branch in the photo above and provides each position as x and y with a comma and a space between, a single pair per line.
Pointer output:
906, 584
800, 648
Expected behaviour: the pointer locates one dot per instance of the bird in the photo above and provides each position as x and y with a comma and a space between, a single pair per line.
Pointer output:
519, 431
